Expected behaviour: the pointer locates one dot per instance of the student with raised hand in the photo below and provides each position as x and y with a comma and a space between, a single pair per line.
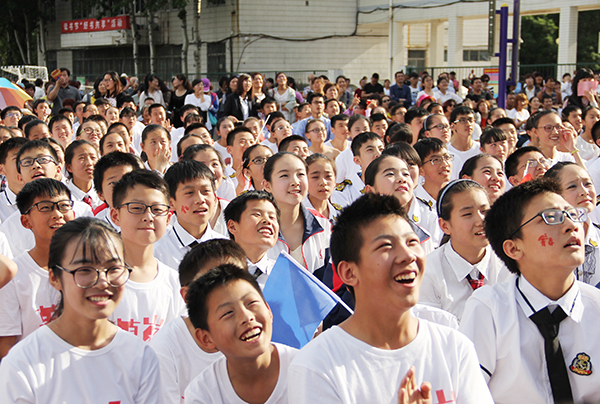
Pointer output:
548, 132
578, 189
369, 357
89, 273
253, 222
303, 233
179, 351
193, 198
465, 261
151, 298
526, 163
532, 334
156, 148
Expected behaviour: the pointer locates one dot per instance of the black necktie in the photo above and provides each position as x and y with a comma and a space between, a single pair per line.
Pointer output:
548, 324
257, 273
193, 244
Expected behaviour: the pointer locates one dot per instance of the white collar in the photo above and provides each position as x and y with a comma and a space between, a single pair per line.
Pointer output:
462, 267
185, 238
532, 300
11, 197
265, 265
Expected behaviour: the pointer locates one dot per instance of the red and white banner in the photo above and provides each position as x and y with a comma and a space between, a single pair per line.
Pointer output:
92, 24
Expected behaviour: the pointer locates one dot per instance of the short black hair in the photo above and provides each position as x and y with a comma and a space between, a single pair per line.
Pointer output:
123, 99
373, 168
415, 112
7, 110
237, 206
200, 290
346, 235
194, 261
25, 120
267, 100
114, 159
362, 138
57, 118
428, 145
125, 112
507, 214
10, 145
155, 106
36, 144
567, 111
185, 137
460, 110
338, 118
404, 151
284, 144
236, 131
191, 151
146, 178
377, 117
398, 132
187, 170
193, 126
357, 118
312, 95
33, 124
42, 187
503, 121
511, 164
492, 135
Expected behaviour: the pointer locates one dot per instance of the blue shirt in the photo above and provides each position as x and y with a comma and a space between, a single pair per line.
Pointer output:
397, 92
299, 127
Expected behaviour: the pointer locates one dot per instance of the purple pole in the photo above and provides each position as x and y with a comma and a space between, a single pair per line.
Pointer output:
502, 55
515, 44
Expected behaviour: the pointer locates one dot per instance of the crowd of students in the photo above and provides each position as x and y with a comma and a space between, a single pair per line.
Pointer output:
134, 252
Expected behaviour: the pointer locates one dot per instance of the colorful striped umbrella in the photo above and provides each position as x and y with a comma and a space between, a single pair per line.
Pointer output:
11, 95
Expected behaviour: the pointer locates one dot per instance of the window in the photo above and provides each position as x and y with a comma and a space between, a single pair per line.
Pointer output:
216, 2
216, 54
476, 55
417, 58
445, 55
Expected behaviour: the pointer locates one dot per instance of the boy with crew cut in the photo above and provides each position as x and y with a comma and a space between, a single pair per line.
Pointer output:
230, 314
151, 297
462, 121
317, 107
61, 129
36, 159
107, 172
340, 132
194, 201
179, 352
366, 147
10, 116
238, 140
253, 222
415, 117
533, 333
436, 169
295, 144
28, 301
8, 168
382, 352
379, 124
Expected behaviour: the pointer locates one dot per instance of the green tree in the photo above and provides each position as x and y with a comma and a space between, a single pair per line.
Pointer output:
587, 37
539, 33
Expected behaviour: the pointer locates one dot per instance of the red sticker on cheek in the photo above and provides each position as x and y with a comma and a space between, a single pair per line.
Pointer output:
185, 209
544, 239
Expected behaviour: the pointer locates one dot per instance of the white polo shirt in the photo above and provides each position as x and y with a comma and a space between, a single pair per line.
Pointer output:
8, 203
445, 284
181, 359
171, 248
511, 348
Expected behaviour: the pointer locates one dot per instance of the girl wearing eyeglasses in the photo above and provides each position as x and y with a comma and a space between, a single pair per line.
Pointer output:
578, 189
81, 356
254, 159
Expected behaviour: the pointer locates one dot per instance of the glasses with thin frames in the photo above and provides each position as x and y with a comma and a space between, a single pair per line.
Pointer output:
441, 126
48, 206
138, 208
436, 161
464, 121
553, 217
87, 276
552, 128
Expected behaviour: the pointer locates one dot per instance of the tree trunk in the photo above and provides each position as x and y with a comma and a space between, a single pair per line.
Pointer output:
186, 42
151, 40
27, 42
136, 60
41, 38
19, 46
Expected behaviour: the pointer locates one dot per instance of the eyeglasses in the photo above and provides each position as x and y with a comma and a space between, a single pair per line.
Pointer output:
436, 161
108, 79
283, 127
138, 208
13, 115
465, 120
49, 206
534, 163
553, 217
441, 126
552, 128
41, 160
87, 277
259, 161
318, 130
89, 131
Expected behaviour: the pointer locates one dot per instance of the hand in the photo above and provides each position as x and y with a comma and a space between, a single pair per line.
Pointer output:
568, 137
162, 157
410, 394
590, 95
167, 125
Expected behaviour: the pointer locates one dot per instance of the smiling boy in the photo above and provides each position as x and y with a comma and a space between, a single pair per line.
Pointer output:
370, 357
436, 168
532, 334
230, 314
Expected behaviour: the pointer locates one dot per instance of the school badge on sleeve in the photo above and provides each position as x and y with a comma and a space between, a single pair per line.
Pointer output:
582, 364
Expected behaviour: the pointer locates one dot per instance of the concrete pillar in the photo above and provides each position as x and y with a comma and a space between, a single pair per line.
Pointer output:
399, 47
436, 44
567, 44
455, 41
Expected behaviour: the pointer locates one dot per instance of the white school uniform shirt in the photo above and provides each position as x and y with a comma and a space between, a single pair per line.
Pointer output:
176, 135
104, 215
587, 151
181, 359
592, 243
226, 189
345, 165
78, 195
136, 135
273, 146
28, 301
511, 348
593, 169
46, 369
229, 173
445, 284
21, 239
463, 155
422, 214
8, 203
146, 307
265, 265
171, 248
223, 152
349, 190
420, 193
213, 386
334, 209
336, 367
220, 224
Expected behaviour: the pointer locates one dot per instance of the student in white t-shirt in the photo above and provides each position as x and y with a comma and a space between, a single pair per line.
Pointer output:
28, 301
465, 261
81, 356
222, 128
141, 210
373, 355
540, 238
253, 222
462, 145
238, 141
230, 314
180, 353
193, 198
